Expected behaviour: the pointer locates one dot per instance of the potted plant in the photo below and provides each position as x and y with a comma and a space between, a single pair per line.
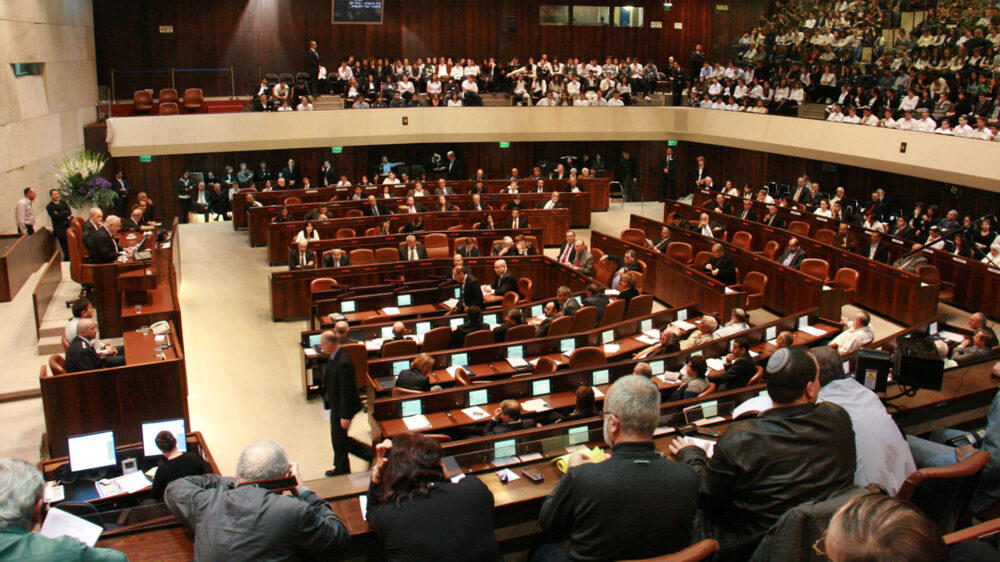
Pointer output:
80, 182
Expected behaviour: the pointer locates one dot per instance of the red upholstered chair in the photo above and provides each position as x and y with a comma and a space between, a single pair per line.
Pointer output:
168, 95
345, 233
604, 269
143, 100
757, 378
702, 550
596, 252
640, 278
586, 357
510, 299
373, 231
755, 283
798, 227
943, 493
824, 235
634, 235
292, 201
399, 348
742, 239
456, 227
700, 259
65, 342
524, 286
817, 268
397, 391
638, 306
929, 274
560, 326
771, 249
709, 390
363, 256
584, 319
613, 313
169, 108
322, 284
359, 356
522, 332
544, 365
476, 339
680, 251
57, 364
846, 279
354, 213
193, 99
437, 339
436, 245
386, 255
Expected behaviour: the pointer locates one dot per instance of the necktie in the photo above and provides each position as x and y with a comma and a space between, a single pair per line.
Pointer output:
375, 209
413, 254
707, 231
788, 259
564, 258
871, 253
302, 259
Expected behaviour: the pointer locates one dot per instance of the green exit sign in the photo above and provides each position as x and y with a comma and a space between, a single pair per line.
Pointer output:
145, 158
671, 143
505, 145
337, 149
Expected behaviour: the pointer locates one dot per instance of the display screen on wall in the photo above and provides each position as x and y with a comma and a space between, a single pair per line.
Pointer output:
357, 11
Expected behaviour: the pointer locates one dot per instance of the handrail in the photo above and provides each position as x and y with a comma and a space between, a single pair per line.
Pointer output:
173, 82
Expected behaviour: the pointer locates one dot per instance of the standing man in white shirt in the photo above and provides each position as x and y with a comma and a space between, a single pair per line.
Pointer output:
24, 213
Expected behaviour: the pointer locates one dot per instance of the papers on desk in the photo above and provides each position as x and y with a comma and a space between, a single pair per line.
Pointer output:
705, 444
536, 405
476, 413
683, 324
54, 493
709, 421
716, 364
648, 340
127, 484
160, 339
669, 377
453, 369
728, 290
813, 331
504, 461
450, 303
486, 289
455, 479
59, 523
391, 310
663, 430
951, 336
652, 332
519, 363
509, 474
598, 393
610, 348
416, 422
363, 500
416, 337
530, 457
373, 345
755, 404
611, 292
310, 352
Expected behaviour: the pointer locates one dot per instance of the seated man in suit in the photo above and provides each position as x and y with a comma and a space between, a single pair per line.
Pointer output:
412, 207
703, 334
343, 331
773, 218
374, 207
336, 258
522, 247
82, 309
470, 292
720, 205
552, 203
469, 249
844, 240
678, 221
507, 418
301, 257
708, 228
628, 262
319, 214
477, 204
103, 248
473, 323
418, 191
516, 220
443, 206
747, 213
135, 222
443, 188
505, 247
663, 241
412, 250
82, 354
903, 230
550, 313
515, 204
539, 187
513, 318
793, 254
911, 262
721, 266
568, 304
597, 299
670, 342
505, 282
583, 260
567, 252
876, 249
739, 369
478, 189
571, 185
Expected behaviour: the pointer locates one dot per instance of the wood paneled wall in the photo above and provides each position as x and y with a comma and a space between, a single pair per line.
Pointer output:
272, 35
742, 166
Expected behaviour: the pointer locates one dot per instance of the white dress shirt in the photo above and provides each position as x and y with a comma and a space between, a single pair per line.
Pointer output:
852, 339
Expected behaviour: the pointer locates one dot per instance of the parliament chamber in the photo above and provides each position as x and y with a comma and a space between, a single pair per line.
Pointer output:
487, 281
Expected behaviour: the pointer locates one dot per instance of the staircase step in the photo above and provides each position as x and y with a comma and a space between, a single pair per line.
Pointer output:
50, 345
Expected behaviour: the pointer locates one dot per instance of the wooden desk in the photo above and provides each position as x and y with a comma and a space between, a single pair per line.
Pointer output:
120, 398
21, 256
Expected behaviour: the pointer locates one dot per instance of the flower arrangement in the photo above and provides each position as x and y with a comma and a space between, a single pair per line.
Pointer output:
80, 183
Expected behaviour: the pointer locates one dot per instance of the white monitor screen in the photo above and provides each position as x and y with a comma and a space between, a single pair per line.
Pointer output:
600, 377
490, 319
682, 314
933, 329
314, 339
478, 397
151, 429
505, 448
386, 332
399, 367
647, 324
423, 328
411, 408
404, 300
516, 352
537, 310
770, 333
458, 291
567, 345
607, 336
656, 366
540, 388
577, 435
347, 306
803, 321
95, 450
460, 359
710, 409
456, 322
847, 367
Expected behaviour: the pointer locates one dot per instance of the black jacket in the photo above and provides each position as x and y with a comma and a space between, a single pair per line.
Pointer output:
776, 221
404, 252
599, 301
60, 214
382, 210
293, 259
340, 391
290, 175
495, 428
472, 294
746, 214
102, 248
796, 257
500, 332
504, 284
451, 522
881, 252
81, 356
412, 379
344, 260
766, 465
466, 252
726, 267
736, 375
622, 508
458, 335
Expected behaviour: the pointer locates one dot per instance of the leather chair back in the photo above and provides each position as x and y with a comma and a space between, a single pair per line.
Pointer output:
193, 99
824, 235
634, 235
544, 365
292, 201
510, 299
742, 239
437, 339
345, 233
680, 251
944, 493
584, 319
560, 326
169, 108
143, 100
322, 283
354, 213
168, 95
396, 391
639, 306
613, 313
436, 245
700, 259
522, 332
362, 256
755, 283
798, 227
524, 286
586, 357
482, 337
817, 268
386, 255
399, 348
57, 364
771, 249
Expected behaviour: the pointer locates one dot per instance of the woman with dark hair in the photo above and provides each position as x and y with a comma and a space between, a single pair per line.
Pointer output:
178, 465
585, 405
418, 514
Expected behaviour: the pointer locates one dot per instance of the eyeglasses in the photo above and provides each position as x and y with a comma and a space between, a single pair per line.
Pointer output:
819, 548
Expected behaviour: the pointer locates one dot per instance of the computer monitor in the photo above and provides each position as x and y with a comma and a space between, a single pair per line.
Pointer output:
404, 300
918, 363
151, 429
90, 451
872, 369
314, 339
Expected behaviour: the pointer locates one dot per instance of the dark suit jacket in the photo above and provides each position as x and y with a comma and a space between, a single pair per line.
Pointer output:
504, 284
704, 173
458, 336
340, 392
805, 198
749, 215
345, 261
542, 205
500, 332
905, 233
404, 252
293, 259
60, 214
572, 252
447, 207
661, 245
466, 252
495, 427
129, 224
454, 170
382, 210
329, 176
726, 267
420, 207
725, 208
797, 257
881, 252
522, 222
599, 301
412, 379
81, 356
776, 221
570, 307
446, 191
313, 61
628, 295
671, 165
88, 231
736, 375
472, 294
482, 207
290, 174
102, 247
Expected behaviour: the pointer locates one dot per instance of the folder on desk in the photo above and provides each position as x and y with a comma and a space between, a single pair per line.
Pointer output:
450, 303
518, 363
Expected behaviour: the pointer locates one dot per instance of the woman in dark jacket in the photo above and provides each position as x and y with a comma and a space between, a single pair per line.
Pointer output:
417, 376
418, 514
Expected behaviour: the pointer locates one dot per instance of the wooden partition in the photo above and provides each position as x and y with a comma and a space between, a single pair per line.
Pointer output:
21, 256
42, 296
